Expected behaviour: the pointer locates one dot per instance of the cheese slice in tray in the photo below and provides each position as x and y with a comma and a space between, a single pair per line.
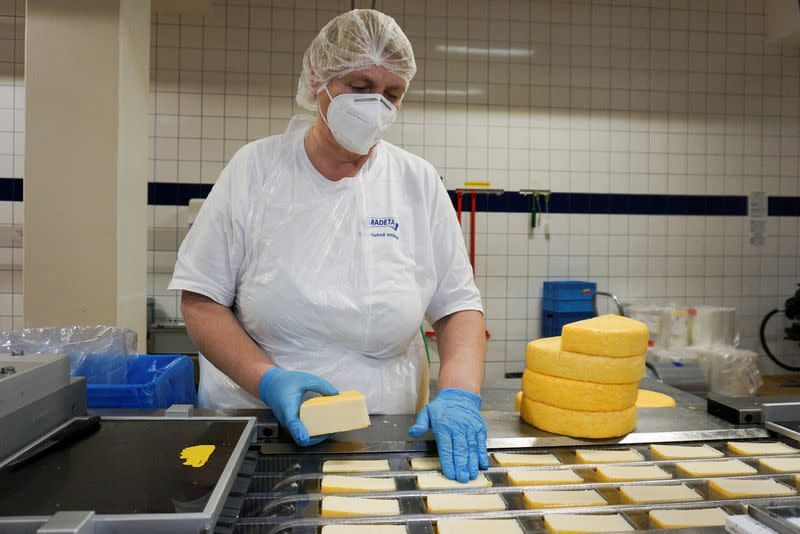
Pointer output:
433, 481
781, 465
354, 466
716, 468
562, 498
478, 526
425, 464
759, 448
542, 477
444, 503
577, 523
627, 473
698, 517
344, 484
516, 460
335, 506
364, 529
684, 452
606, 456
742, 487
653, 494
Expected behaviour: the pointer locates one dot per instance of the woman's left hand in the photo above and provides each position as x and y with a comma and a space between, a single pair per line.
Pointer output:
459, 431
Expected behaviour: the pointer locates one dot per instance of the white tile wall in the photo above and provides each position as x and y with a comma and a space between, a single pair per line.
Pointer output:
624, 96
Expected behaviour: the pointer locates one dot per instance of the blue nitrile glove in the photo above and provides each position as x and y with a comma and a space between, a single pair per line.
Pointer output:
283, 391
459, 431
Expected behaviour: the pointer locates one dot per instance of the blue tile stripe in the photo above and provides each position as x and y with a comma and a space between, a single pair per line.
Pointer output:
172, 194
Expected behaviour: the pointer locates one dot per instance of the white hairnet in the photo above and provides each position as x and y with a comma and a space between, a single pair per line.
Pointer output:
353, 41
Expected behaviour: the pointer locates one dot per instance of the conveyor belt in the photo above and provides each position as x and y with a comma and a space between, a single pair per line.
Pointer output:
284, 494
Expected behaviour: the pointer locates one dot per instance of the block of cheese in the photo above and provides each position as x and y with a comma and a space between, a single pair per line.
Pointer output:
607, 335
334, 413
781, 465
713, 468
607, 456
578, 523
545, 356
651, 494
625, 473
443, 503
425, 464
354, 466
512, 459
562, 498
653, 399
756, 448
432, 481
578, 395
698, 517
542, 477
576, 423
478, 526
364, 529
742, 487
335, 506
343, 484
682, 452
517, 401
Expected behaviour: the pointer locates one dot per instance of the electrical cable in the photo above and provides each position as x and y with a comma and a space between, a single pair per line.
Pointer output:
771, 356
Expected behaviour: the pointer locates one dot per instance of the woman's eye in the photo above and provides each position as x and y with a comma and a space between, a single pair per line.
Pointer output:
359, 88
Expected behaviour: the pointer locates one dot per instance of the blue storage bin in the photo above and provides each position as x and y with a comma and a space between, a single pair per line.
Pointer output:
568, 296
553, 322
138, 381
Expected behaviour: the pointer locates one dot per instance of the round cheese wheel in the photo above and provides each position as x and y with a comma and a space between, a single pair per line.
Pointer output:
546, 357
578, 395
578, 424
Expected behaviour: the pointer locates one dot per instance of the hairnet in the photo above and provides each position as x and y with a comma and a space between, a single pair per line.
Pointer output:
354, 40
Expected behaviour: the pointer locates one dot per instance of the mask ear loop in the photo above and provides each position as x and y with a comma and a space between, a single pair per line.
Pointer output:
321, 114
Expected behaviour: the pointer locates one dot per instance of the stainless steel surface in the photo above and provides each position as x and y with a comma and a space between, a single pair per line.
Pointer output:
781, 412
69, 523
790, 430
33, 377
612, 297
775, 517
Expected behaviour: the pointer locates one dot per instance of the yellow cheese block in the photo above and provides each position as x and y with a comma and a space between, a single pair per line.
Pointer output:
517, 401
715, 468
653, 399
757, 448
334, 413
543, 477
607, 456
425, 464
364, 529
354, 466
545, 356
742, 487
433, 481
562, 498
334, 506
606, 335
651, 494
512, 459
682, 452
579, 523
577, 395
445, 503
698, 517
781, 465
576, 423
343, 484
478, 526
626, 473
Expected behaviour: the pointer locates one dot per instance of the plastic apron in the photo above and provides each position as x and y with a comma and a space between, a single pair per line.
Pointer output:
309, 292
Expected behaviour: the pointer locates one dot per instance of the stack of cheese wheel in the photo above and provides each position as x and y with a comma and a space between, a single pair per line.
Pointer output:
584, 383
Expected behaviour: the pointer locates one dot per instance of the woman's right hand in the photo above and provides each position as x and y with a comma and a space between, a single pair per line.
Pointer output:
283, 392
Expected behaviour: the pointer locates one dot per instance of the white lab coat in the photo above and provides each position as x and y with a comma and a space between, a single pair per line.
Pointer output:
332, 278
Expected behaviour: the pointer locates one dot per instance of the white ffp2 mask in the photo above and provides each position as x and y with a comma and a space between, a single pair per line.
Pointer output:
359, 120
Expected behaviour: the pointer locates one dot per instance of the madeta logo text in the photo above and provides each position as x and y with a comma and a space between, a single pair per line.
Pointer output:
383, 222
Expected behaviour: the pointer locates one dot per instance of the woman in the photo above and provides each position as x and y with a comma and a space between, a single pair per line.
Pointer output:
318, 252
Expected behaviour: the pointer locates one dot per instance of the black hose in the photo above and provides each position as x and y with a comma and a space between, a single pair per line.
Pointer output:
764, 342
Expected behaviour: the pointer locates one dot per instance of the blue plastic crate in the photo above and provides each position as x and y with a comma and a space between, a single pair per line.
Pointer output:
553, 322
138, 381
568, 296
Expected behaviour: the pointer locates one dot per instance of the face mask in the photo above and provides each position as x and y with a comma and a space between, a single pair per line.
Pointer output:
359, 120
